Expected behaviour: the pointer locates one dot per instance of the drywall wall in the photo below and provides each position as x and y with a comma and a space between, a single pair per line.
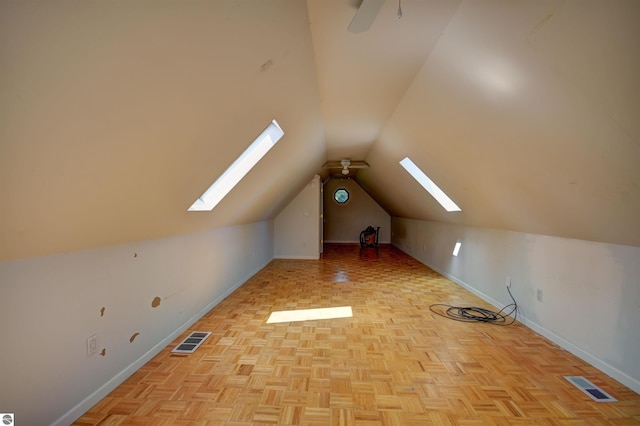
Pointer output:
117, 115
137, 298
296, 230
344, 222
583, 295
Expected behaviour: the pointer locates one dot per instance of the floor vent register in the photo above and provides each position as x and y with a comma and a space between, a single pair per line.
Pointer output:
590, 389
191, 342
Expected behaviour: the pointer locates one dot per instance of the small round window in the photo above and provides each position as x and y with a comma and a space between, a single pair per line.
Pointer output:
341, 195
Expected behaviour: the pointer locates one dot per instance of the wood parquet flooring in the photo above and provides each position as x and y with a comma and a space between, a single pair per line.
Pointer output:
393, 363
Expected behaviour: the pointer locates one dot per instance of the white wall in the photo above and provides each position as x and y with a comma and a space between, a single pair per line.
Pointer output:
50, 305
344, 222
296, 229
590, 291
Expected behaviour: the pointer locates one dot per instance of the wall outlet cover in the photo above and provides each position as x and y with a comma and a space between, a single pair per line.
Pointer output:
92, 344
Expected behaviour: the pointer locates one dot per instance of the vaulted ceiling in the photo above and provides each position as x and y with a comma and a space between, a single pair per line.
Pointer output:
115, 116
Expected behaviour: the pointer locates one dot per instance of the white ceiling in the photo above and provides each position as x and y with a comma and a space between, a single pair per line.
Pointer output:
115, 116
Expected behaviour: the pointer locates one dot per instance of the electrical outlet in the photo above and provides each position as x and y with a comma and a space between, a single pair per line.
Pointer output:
92, 345
507, 281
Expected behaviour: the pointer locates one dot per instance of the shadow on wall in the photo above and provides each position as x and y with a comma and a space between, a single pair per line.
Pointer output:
399, 232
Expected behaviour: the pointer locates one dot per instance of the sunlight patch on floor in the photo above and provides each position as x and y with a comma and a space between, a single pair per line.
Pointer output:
310, 314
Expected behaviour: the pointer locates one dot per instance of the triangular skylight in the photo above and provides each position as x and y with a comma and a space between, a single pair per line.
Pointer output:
429, 185
245, 162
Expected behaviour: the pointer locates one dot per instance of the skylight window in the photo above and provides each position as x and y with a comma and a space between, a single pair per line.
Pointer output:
245, 162
429, 185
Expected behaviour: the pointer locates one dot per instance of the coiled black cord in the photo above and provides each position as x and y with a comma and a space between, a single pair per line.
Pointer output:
475, 314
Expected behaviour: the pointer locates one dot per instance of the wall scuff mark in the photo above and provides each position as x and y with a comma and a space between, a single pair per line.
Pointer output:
265, 67
102, 311
156, 302
104, 352
133, 337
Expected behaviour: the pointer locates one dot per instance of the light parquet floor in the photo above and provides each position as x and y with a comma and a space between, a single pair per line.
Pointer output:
393, 363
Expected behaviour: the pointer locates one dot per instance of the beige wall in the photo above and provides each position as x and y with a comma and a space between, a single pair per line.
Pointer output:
296, 230
343, 223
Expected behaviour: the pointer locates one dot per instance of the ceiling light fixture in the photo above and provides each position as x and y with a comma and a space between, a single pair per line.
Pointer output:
345, 166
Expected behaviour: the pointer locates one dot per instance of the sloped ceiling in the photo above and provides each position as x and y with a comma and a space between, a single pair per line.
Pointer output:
115, 116
527, 115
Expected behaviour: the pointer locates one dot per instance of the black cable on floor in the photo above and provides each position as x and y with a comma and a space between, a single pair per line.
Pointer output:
475, 314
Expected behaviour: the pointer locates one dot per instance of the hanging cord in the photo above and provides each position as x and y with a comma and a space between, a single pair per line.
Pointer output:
475, 314
399, 9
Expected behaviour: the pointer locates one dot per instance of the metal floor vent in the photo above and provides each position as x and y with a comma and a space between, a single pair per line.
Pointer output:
590, 389
191, 342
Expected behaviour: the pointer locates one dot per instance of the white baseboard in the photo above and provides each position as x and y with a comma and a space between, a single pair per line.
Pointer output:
83, 406
284, 256
606, 368
351, 242
596, 362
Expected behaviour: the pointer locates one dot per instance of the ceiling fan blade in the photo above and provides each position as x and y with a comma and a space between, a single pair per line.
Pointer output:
358, 165
332, 165
339, 165
365, 16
